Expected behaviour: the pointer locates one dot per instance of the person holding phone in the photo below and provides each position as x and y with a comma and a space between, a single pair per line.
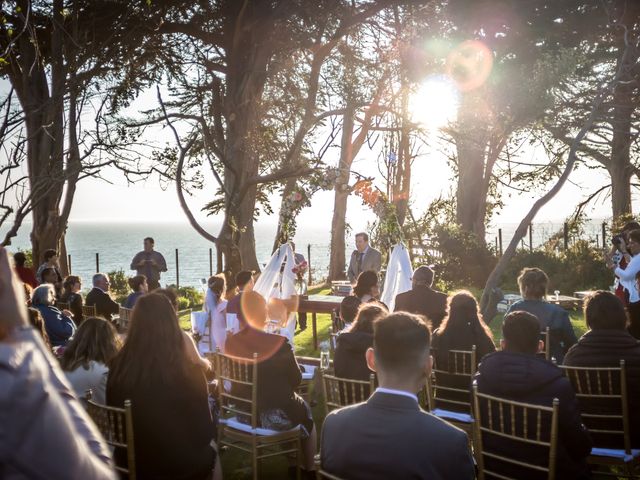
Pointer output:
149, 263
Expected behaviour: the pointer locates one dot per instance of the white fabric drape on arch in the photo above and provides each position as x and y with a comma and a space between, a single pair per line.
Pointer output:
275, 284
398, 277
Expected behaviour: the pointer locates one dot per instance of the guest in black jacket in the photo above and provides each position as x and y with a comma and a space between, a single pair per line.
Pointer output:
99, 297
516, 373
173, 427
72, 286
279, 407
352, 344
389, 436
422, 299
604, 345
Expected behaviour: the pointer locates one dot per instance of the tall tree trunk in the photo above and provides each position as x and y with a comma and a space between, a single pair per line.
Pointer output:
282, 235
402, 181
338, 222
471, 145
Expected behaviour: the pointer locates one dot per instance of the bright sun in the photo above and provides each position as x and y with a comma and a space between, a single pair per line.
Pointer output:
435, 103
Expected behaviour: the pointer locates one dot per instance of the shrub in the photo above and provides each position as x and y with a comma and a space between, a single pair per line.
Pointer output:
119, 285
193, 296
183, 303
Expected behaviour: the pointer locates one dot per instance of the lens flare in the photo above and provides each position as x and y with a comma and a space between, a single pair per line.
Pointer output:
469, 65
435, 103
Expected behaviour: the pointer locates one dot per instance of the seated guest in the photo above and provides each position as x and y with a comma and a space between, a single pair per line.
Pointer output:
37, 322
367, 288
604, 345
50, 276
86, 359
517, 373
389, 436
59, 325
99, 297
139, 286
189, 343
25, 274
347, 313
279, 407
71, 295
422, 299
462, 328
235, 318
171, 417
533, 288
37, 406
50, 261
351, 345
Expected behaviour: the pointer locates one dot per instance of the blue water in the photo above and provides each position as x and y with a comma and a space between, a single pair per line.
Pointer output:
118, 242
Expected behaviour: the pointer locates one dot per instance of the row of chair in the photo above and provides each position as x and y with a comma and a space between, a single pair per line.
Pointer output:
519, 422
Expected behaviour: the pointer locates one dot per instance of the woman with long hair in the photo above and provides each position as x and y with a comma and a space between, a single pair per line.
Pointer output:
367, 288
215, 305
462, 328
71, 295
87, 357
168, 392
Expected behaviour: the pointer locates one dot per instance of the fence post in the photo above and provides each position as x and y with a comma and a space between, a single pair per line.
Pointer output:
497, 247
177, 270
566, 236
97, 262
210, 262
531, 237
69, 263
604, 234
500, 240
309, 263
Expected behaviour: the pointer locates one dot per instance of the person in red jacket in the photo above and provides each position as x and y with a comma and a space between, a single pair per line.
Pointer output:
25, 274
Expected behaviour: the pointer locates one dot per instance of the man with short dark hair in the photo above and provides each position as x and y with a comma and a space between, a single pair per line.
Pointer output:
517, 373
363, 258
389, 436
99, 297
235, 317
422, 299
604, 345
348, 310
149, 263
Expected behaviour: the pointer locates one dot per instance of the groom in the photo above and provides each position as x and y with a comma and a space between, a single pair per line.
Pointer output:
363, 258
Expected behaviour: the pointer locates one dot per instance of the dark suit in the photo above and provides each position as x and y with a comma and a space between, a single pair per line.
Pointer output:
423, 300
390, 437
105, 306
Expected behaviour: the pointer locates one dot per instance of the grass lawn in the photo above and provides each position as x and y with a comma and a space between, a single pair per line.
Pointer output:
237, 466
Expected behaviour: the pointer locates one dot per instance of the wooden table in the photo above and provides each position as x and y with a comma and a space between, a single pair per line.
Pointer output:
315, 304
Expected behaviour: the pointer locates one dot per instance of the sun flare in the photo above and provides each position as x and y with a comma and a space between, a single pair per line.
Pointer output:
435, 103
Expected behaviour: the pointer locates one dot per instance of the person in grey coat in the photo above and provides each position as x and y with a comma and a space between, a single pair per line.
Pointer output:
389, 435
363, 258
44, 431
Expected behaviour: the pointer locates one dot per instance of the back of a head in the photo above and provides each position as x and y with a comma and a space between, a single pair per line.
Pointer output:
95, 340
254, 309
635, 235
136, 282
154, 348
366, 281
97, 278
464, 320
19, 258
521, 332
533, 283
367, 314
70, 281
604, 311
218, 285
49, 253
349, 308
401, 344
243, 277
422, 276
631, 226
170, 294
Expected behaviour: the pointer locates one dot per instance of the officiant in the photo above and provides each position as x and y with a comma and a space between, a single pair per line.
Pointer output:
363, 258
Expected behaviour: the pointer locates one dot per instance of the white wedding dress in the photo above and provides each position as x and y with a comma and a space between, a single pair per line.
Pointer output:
398, 277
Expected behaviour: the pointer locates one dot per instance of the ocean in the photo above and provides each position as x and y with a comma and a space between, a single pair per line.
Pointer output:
117, 243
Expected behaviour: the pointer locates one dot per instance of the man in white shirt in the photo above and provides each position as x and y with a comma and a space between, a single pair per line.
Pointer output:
390, 436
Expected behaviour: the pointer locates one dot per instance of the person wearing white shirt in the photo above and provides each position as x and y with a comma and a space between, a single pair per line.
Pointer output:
389, 435
627, 278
